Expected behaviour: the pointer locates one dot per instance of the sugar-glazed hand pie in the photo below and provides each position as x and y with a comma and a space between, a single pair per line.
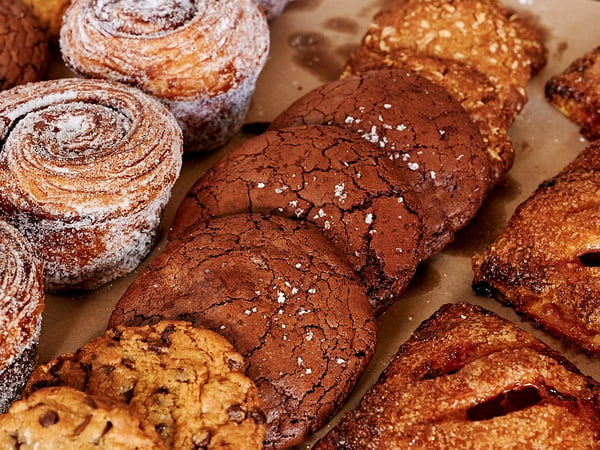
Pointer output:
467, 378
545, 263
576, 93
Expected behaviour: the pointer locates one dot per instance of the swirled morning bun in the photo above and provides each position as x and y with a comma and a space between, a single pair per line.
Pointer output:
200, 58
21, 306
86, 168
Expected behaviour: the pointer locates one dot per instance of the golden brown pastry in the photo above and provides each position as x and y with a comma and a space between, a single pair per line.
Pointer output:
545, 262
24, 50
200, 58
49, 14
576, 93
21, 306
63, 418
86, 168
468, 379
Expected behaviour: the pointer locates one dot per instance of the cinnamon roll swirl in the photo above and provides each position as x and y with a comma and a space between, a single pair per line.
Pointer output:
201, 58
87, 167
21, 306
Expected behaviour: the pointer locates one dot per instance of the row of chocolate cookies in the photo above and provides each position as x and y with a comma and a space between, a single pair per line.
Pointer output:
384, 166
424, 119
249, 277
282, 294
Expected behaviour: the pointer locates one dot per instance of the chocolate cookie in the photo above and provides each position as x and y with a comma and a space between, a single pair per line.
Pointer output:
24, 50
418, 125
188, 382
341, 183
279, 291
469, 379
545, 262
473, 89
68, 419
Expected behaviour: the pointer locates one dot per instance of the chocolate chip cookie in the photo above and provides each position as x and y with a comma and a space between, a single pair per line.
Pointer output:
61, 417
188, 382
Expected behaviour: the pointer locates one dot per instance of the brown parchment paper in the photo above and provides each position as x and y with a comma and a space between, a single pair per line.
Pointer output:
310, 43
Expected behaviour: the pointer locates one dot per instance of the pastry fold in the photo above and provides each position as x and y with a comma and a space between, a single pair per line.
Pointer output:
545, 262
469, 379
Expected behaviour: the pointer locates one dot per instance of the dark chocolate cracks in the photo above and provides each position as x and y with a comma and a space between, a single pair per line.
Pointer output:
281, 294
419, 126
347, 187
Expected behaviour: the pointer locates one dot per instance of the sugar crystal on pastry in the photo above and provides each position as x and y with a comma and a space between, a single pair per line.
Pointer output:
201, 58
104, 157
21, 306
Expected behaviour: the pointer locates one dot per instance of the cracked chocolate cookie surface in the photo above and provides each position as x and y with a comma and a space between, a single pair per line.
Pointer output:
471, 88
280, 292
61, 417
188, 382
418, 126
341, 183
24, 50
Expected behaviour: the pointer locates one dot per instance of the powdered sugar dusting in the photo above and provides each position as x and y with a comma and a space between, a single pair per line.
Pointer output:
21, 305
180, 37
143, 17
104, 162
121, 39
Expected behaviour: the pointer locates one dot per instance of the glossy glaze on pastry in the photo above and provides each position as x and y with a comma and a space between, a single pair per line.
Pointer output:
545, 261
468, 379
